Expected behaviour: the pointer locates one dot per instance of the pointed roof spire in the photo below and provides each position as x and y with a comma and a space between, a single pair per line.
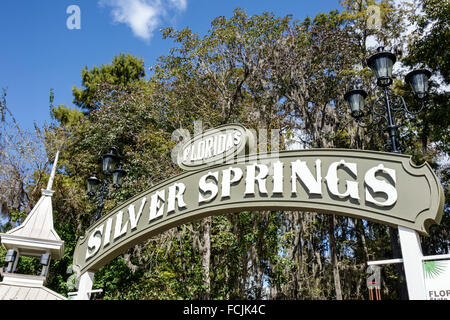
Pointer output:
36, 235
52, 175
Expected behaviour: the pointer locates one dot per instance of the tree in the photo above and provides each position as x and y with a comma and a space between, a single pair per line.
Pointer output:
23, 164
431, 38
124, 70
430, 141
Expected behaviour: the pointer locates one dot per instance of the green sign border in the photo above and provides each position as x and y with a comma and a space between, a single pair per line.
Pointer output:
420, 191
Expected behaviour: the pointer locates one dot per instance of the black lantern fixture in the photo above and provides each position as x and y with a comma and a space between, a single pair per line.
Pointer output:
118, 176
418, 79
109, 161
381, 63
355, 99
97, 190
92, 184
390, 105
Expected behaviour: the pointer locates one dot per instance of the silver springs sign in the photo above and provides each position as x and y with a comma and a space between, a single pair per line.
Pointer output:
381, 187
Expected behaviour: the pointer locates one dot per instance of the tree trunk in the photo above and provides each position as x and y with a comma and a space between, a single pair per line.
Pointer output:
396, 251
206, 257
180, 237
361, 237
334, 264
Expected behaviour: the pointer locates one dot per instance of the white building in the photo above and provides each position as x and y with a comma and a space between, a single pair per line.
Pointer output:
35, 237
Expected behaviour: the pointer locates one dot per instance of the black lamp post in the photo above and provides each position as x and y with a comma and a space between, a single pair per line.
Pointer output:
389, 104
97, 190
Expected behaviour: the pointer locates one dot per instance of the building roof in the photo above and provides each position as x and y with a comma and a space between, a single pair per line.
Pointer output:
36, 235
26, 287
39, 222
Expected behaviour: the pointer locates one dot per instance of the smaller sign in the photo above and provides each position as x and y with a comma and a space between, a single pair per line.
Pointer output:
437, 279
215, 146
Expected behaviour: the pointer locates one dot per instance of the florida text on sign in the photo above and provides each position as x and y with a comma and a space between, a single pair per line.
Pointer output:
215, 146
381, 187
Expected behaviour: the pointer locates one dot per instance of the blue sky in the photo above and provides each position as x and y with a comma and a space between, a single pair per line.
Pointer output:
40, 52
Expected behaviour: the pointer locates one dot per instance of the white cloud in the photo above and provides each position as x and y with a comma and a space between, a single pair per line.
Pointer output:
179, 4
143, 16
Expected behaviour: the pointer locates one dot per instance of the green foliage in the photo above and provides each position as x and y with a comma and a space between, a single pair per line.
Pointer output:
65, 116
125, 69
428, 139
432, 37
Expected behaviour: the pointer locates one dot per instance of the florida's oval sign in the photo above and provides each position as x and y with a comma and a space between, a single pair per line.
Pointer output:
219, 145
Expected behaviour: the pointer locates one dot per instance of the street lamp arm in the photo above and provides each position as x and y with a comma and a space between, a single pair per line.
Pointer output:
413, 113
102, 198
361, 124
377, 113
379, 110
371, 126
398, 105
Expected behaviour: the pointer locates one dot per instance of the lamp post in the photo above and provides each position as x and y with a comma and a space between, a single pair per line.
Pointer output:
96, 189
386, 108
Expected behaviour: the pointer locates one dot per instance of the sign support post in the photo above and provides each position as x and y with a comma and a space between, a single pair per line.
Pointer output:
85, 286
412, 263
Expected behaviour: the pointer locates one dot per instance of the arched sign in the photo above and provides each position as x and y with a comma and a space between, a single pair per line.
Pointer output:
382, 187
